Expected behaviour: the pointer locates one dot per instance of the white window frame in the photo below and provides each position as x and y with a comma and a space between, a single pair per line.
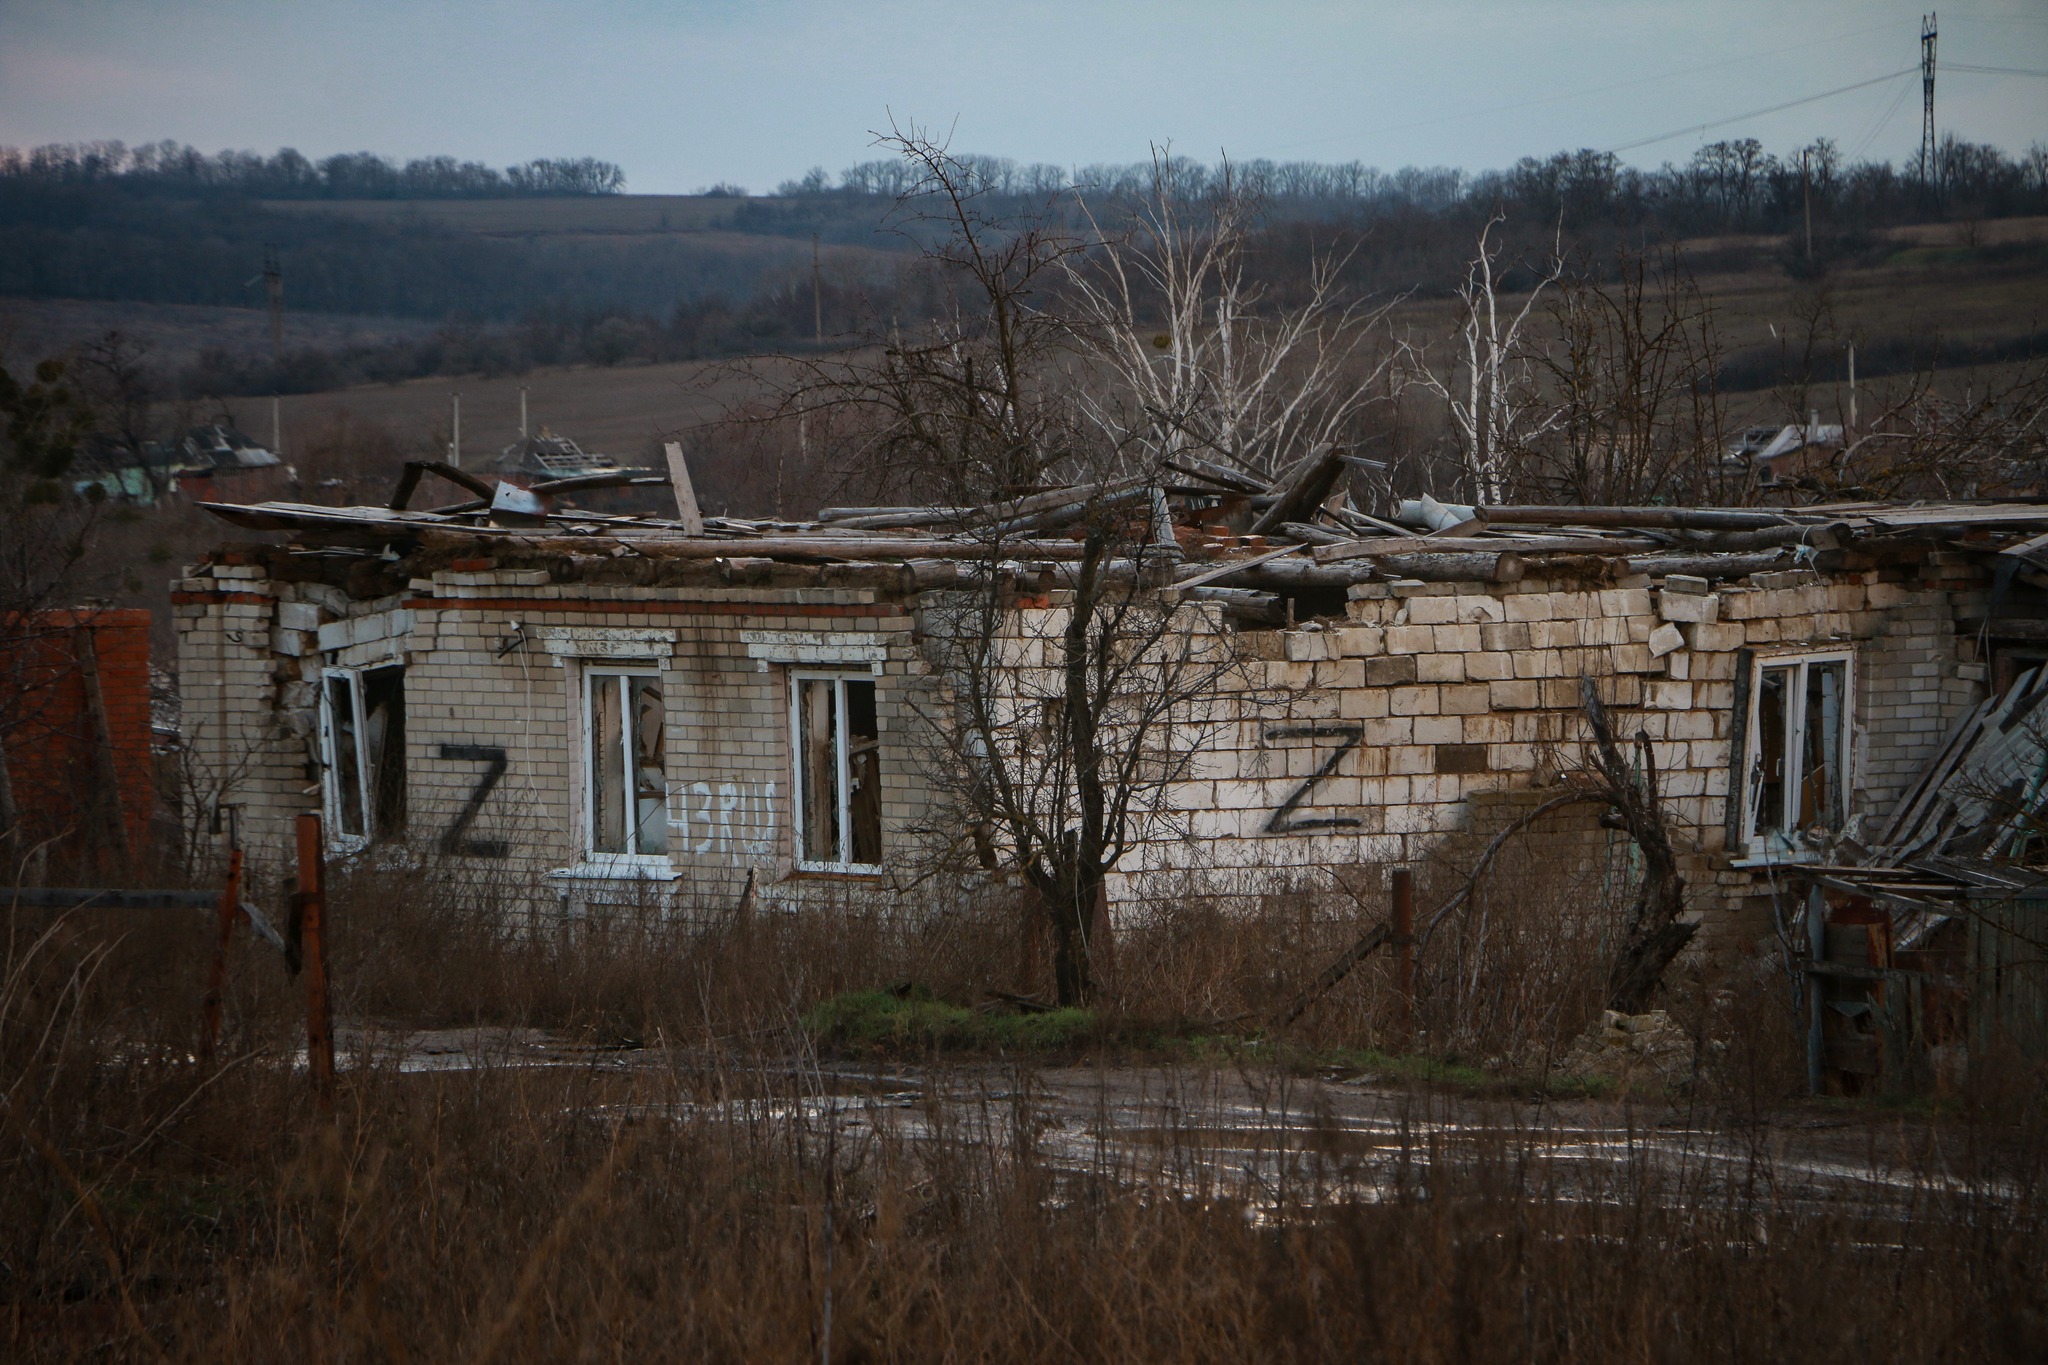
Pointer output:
1754, 840
841, 763
627, 864
330, 768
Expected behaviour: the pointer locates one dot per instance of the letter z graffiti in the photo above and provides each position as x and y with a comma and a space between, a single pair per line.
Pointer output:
1285, 819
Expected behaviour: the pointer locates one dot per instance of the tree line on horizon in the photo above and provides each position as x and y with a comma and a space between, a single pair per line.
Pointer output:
170, 167
1729, 184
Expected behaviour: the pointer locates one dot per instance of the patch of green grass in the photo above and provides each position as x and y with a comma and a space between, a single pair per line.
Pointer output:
918, 1021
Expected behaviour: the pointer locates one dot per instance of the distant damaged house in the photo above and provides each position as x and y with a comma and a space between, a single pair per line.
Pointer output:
615, 710
207, 463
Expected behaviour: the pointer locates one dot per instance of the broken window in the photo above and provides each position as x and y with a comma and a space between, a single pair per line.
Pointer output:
362, 745
1797, 760
838, 771
628, 782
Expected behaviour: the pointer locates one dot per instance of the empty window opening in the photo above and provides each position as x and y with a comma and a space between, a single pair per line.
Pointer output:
362, 741
1798, 749
628, 781
838, 772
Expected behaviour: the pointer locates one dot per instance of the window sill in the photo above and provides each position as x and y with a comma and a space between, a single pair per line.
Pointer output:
624, 867
1790, 857
852, 873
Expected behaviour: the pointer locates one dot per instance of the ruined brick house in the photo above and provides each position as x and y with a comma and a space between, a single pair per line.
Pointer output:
614, 709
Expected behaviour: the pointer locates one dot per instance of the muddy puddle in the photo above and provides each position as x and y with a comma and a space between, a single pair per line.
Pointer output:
1267, 1140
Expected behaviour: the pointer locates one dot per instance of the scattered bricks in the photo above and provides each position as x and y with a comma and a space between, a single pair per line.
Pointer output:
298, 616
1666, 695
1409, 640
1461, 758
1504, 638
1687, 584
243, 572
1306, 646
1355, 642
1361, 592
1440, 668
1665, 639
1390, 671
1517, 695
1415, 587
1786, 578
1414, 701
1464, 699
1688, 607
290, 643
1711, 636
1489, 667
1678, 664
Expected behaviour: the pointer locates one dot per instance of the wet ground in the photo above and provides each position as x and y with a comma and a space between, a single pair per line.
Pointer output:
1262, 1135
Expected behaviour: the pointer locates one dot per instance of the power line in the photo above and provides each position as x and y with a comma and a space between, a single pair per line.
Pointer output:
1582, 92
1994, 70
1759, 113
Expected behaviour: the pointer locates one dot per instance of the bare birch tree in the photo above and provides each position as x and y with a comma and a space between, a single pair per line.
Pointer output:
1201, 361
1489, 389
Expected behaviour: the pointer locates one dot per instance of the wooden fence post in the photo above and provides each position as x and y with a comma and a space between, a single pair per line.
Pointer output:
224, 933
319, 1015
1404, 949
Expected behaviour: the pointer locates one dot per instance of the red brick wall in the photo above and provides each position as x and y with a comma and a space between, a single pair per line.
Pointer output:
48, 728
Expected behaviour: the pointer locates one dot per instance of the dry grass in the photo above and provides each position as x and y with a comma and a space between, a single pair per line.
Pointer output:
151, 1210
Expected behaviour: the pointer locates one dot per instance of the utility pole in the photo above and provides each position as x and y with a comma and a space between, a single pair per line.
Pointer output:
273, 292
522, 413
273, 289
817, 296
1929, 172
1806, 202
455, 431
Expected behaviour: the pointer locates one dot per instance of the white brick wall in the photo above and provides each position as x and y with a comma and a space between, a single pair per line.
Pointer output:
1456, 689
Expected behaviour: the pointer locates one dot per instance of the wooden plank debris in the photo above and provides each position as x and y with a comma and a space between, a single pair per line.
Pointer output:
686, 494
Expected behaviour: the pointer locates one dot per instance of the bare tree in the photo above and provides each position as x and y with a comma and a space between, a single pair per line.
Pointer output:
47, 534
1949, 436
1489, 390
1069, 700
1201, 362
1638, 415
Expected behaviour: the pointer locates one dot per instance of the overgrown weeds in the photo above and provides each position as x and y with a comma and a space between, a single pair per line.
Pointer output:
719, 1193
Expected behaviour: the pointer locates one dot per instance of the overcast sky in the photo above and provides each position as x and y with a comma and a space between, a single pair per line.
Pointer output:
683, 93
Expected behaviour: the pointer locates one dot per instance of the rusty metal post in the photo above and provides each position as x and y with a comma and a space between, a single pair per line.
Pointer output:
1404, 948
319, 1014
217, 972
